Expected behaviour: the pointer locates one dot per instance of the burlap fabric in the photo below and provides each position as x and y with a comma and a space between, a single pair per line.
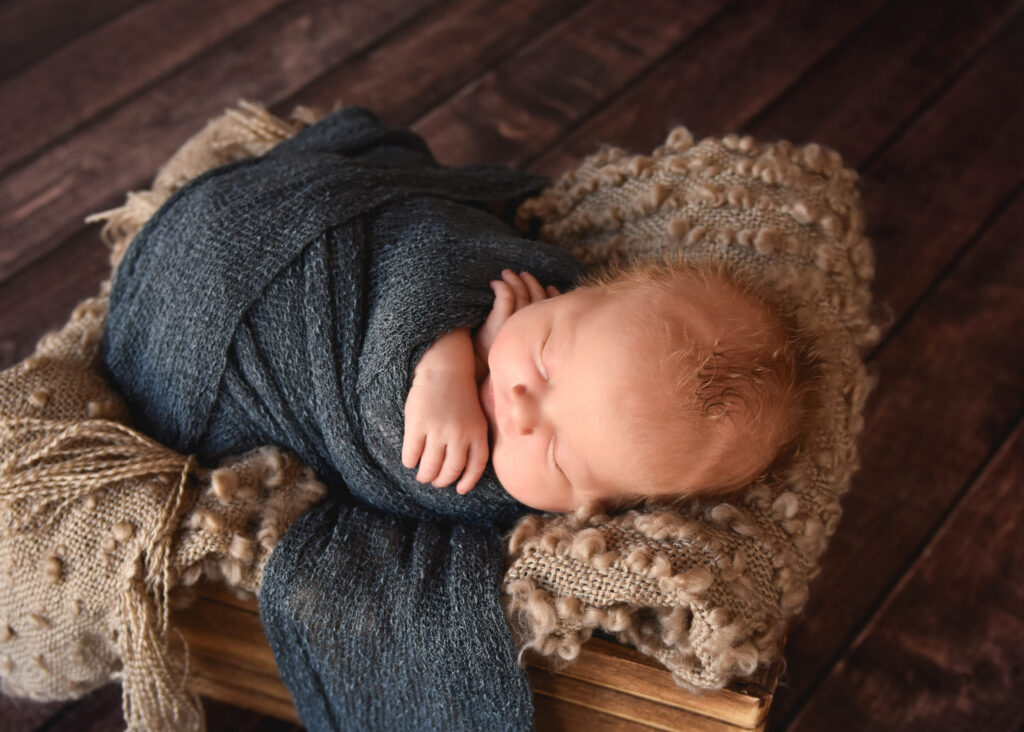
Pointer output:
99, 523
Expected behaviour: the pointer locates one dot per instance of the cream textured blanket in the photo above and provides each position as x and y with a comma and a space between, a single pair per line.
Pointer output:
98, 523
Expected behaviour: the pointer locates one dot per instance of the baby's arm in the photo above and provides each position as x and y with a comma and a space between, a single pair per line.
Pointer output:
445, 427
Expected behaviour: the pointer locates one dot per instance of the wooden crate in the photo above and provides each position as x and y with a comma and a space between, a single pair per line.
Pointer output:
610, 687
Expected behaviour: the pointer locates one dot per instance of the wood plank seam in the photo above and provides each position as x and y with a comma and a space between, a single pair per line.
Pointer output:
530, 161
950, 82
297, 95
283, 106
19, 163
898, 324
198, 58
258, 32
917, 555
840, 47
15, 70
992, 465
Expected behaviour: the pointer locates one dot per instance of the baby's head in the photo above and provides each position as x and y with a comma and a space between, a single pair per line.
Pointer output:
649, 382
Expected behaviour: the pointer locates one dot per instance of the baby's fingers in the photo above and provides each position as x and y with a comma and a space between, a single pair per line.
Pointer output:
552, 291
430, 463
522, 293
454, 461
504, 300
533, 287
478, 452
412, 448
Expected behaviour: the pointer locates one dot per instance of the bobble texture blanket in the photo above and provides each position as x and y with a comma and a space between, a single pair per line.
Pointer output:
285, 300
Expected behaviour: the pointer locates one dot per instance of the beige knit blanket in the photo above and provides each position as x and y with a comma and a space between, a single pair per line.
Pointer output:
99, 524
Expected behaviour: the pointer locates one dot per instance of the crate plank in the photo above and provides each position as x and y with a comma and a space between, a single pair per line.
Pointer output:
262, 694
224, 716
227, 632
946, 651
624, 706
231, 661
614, 666
556, 715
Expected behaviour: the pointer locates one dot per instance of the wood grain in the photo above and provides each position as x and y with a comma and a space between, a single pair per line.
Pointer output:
230, 661
866, 90
99, 69
221, 716
716, 81
951, 386
519, 107
949, 361
945, 651
428, 61
623, 669
555, 715
624, 706
31, 29
43, 203
33, 295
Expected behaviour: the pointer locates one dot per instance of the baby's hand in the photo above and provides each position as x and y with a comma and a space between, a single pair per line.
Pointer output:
511, 293
445, 430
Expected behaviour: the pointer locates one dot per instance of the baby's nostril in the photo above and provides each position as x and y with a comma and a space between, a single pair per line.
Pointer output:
526, 431
519, 389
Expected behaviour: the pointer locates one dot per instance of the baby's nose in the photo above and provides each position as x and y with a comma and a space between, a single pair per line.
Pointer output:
524, 409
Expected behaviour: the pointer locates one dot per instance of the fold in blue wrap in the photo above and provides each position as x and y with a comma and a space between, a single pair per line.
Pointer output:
286, 300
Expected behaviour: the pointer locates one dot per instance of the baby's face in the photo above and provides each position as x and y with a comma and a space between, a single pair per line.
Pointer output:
564, 380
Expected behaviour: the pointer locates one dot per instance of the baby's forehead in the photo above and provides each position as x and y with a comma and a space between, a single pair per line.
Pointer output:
713, 310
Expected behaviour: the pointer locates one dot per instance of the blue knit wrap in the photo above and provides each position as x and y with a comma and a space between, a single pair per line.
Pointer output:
286, 300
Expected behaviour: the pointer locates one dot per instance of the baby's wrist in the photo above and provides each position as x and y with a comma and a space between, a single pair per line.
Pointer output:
451, 354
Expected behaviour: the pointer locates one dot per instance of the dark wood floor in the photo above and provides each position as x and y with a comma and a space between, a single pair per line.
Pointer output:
917, 620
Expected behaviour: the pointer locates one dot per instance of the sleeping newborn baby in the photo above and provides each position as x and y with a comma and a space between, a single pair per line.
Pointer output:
332, 297
652, 382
